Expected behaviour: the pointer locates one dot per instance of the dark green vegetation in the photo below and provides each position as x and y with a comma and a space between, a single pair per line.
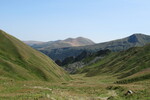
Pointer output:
130, 66
72, 64
21, 62
85, 56
116, 45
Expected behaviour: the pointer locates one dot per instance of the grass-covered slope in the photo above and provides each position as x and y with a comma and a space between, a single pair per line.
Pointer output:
132, 64
21, 62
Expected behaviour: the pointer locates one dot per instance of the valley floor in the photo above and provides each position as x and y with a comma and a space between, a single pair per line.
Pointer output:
79, 88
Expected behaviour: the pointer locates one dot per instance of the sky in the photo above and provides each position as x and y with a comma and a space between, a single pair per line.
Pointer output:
98, 20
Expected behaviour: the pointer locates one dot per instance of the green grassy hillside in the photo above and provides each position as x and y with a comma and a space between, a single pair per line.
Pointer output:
21, 62
127, 65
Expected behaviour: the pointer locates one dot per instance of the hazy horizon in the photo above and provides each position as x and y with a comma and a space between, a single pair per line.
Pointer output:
98, 20
84, 37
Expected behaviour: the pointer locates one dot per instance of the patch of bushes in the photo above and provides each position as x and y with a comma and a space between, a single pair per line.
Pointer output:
119, 88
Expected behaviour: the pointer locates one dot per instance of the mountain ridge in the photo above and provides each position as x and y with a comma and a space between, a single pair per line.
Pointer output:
114, 45
69, 42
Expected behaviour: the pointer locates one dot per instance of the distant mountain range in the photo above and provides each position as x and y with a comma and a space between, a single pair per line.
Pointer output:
21, 62
135, 40
30, 43
70, 42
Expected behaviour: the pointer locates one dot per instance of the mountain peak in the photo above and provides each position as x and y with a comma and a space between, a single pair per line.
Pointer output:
137, 37
133, 38
81, 38
75, 38
79, 41
69, 42
138, 34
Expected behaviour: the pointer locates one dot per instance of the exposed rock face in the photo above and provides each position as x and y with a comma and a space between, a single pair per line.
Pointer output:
72, 68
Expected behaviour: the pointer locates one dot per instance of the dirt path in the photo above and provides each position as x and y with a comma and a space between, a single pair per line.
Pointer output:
39, 87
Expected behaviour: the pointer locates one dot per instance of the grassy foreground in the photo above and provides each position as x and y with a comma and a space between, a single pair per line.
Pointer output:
80, 88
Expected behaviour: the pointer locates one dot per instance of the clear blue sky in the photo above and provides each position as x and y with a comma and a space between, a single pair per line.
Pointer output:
99, 20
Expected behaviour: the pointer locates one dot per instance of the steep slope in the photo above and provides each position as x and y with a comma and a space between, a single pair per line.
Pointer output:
116, 45
130, 64
19, 61
70, 42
